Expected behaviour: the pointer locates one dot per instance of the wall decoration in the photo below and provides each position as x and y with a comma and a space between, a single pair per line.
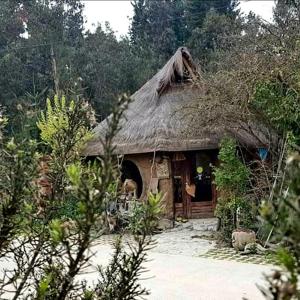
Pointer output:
162, 169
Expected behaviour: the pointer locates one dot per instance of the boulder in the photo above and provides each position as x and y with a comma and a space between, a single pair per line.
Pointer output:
241, 237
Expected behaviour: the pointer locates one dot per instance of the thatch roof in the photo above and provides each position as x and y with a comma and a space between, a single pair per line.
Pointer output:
171, 113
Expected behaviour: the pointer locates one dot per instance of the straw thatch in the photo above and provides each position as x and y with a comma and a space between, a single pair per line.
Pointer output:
171, 113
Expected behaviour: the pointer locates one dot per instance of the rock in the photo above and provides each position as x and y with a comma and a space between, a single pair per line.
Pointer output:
210, 224
254, 248
164, 224
241, 237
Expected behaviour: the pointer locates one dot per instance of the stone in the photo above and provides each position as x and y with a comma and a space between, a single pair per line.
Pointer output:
164, 224
254, 248
210, 224
241, 237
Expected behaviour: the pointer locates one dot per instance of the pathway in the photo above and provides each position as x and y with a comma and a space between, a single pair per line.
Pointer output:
178, 272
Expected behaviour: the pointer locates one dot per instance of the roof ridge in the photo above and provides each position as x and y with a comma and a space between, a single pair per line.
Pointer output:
179, 68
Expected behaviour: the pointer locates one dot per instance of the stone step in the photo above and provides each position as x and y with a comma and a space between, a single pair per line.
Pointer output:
209, 224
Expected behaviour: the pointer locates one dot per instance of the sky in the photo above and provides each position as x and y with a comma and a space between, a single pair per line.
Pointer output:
118, 13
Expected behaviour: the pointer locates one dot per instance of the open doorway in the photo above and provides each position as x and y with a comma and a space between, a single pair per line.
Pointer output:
129, 170
194, 190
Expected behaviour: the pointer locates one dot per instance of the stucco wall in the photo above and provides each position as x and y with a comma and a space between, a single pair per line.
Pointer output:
144, 164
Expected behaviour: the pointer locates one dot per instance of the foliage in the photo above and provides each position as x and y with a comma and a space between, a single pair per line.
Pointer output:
48, 257
3, 123
232, 173
163, 26
120, 279
17, 170
56, 124
64, 129
284, 215
281, 105
197, 10
32, 30
146, 214
213, 37
158, 25
231, 177
107, 68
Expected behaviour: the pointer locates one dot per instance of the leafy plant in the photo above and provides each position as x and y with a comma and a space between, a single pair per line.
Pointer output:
146, 214
18, 165
65, 128
48, 250
280, 104
283, 213
231, 178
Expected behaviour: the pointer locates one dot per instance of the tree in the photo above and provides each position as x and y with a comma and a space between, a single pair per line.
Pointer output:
158, 25
56, 26
214, 37
232, 180
107, 68
64, 128
196, 11
38, 54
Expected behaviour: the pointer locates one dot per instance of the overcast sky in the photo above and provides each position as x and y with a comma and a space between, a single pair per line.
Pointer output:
118, 13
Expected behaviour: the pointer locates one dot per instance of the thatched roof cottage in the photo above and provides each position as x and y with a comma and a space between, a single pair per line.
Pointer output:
170, 138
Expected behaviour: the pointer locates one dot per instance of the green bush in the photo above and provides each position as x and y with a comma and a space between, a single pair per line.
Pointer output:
233, 209
146, 214
234, 212
64, 129
280, 104
232, 175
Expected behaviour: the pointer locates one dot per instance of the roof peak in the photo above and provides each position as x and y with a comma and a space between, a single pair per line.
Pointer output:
179, 68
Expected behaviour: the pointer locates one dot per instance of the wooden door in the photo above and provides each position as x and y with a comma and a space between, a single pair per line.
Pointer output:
180, 175
203, 203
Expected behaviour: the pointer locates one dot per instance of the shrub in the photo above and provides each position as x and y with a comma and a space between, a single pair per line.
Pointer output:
146, 214
47, 258
231, 177
65, 128
283, 213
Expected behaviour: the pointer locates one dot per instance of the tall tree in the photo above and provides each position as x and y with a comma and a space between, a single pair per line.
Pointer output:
107, 67
11, 24
158, 25
196, 10
37, 54
56, 27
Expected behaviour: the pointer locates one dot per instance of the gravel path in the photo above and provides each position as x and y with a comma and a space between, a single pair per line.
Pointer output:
184, 242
